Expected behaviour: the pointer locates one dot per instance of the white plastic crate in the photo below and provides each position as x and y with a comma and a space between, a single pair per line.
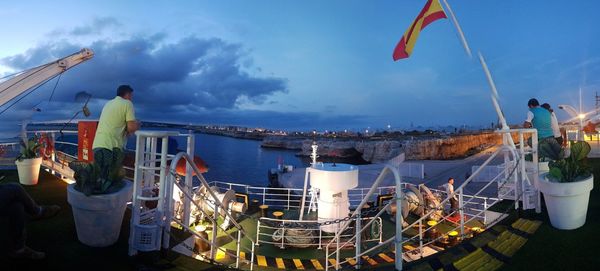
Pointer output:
146, 237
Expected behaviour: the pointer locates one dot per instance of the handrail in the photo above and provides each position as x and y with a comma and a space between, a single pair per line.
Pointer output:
204, 183
217, 203
460, 188
514, 172
398, 236
186, 194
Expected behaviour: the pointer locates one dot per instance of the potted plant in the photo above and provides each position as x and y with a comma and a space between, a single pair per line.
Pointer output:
544, 160
28, 162
566, 187
99, 203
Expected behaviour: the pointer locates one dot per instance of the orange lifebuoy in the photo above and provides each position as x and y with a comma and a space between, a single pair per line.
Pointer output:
181, 166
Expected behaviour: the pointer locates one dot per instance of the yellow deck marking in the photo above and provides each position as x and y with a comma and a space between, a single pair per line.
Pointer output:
242, 255
351, 261
220, 255
332, 261
408, 247
298, 264
369, 260
280, 263
317, 264
386, 258
262, 261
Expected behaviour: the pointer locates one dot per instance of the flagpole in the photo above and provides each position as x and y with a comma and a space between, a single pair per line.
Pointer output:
495, 97
460, 32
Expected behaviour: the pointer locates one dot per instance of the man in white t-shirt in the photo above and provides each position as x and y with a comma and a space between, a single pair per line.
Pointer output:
450, 193
554, 122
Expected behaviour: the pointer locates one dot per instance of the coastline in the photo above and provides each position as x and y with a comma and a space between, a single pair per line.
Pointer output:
375, 148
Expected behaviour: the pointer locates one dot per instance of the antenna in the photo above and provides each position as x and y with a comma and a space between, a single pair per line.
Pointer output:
314, 155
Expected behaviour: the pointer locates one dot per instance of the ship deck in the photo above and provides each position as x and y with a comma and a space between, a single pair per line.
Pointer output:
547, 249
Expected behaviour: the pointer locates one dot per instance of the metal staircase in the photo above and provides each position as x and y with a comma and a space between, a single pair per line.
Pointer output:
156, 185
513, 183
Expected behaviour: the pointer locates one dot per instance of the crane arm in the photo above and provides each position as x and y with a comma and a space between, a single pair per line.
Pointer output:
13, 87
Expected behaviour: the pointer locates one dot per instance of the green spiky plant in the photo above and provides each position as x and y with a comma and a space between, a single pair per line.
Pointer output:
88, 175
567, 169
29, 149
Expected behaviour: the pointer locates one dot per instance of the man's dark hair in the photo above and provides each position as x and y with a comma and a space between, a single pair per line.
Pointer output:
533, 102
450, 178
122, 90
547, 107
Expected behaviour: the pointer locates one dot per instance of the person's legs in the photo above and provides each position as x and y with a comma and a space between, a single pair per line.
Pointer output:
14, 192
15, 212
453, 206
16, 204
103, 158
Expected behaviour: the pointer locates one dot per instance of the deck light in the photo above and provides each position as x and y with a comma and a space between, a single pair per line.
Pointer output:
581, 116
452, 238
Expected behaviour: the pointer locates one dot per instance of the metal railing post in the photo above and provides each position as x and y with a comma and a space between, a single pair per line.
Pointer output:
358, 239
461, 212
213, 245
282, 235
252, 256
288, 199
421, 237
258, 233
320, 238
327, 257
536, 176
237, 259
485, 208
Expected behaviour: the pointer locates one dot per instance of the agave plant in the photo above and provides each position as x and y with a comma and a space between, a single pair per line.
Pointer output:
567, 169
91, 181
29, 149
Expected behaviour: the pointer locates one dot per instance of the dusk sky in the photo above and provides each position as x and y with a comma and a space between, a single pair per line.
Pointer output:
304, 64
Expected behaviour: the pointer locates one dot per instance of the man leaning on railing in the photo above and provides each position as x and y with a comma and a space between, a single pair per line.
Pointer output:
449, 187
117, 121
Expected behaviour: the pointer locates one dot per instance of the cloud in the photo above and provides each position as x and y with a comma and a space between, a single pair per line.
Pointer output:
178, 76
97, 26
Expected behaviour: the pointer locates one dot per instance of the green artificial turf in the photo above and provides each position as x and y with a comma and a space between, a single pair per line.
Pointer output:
57, 237
553, 249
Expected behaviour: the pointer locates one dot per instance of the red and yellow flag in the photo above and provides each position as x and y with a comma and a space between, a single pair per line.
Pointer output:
431, 12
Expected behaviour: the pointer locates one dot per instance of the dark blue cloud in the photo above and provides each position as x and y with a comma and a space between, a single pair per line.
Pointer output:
192, 80
191, 71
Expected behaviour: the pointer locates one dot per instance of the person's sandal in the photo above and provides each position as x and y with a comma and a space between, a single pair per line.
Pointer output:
27, 253
48, 211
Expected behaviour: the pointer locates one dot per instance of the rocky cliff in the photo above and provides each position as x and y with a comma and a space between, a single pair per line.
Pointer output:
374, 151
452, 147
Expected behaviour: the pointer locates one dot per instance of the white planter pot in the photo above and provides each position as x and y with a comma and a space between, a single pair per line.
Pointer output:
567, 203
29, 170
98, 218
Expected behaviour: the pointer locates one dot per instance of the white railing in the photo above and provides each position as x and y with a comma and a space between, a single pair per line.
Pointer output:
267, 228
187, 191
515, 173
291, 198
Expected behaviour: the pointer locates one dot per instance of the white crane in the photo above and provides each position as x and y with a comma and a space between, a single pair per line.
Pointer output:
33, 77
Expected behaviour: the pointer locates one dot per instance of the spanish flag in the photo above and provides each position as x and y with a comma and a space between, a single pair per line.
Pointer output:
431, 12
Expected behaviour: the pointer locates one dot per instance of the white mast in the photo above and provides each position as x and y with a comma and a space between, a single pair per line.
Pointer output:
313, 164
